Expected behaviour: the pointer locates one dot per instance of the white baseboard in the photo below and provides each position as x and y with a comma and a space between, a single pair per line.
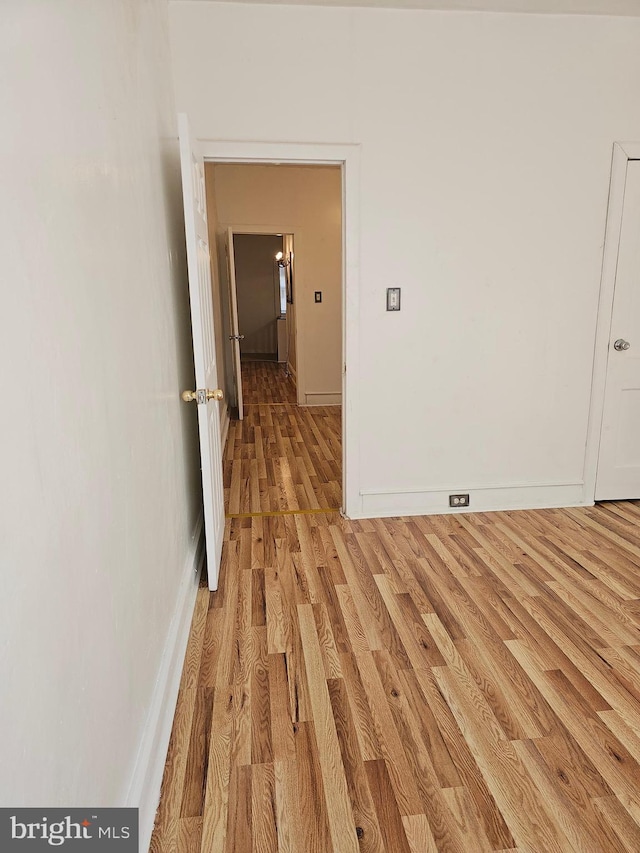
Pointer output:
323, 398
144, 789
388, 504
224, 427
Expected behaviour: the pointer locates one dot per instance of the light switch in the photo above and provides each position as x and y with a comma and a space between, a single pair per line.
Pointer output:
393, 299
318, 295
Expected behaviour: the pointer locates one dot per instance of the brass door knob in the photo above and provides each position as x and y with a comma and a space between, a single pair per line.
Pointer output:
202, 395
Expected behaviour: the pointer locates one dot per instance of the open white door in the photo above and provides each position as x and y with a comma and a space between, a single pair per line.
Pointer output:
235, 337
619, 460
206, 394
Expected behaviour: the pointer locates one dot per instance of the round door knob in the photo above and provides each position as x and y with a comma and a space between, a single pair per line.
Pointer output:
202, 395
621, 345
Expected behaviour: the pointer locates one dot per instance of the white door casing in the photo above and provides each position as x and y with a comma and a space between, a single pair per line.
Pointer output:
235, 328
204, 345
618, 471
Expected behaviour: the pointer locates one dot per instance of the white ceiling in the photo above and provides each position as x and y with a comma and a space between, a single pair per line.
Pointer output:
558, 7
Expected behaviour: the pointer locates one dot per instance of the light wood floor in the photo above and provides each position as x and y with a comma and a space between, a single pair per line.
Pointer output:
465, 683
283, 457
266, 382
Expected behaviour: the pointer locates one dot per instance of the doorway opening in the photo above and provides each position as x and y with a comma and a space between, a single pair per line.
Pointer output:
263, 328
259, 292
281, 294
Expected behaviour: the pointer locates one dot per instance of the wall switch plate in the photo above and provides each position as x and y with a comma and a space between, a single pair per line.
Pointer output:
393, 299
318, 296
458, 500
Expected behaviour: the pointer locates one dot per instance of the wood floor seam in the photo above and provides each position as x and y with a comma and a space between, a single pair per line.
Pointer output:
281, 512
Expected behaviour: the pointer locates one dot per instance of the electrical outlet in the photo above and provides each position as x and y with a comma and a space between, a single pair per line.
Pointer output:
458, 500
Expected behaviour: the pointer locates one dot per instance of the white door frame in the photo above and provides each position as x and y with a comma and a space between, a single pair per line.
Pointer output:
234, 337
622, 153
348, 157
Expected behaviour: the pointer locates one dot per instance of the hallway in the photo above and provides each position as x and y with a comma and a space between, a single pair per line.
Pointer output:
281, 456
442, 684
266, 382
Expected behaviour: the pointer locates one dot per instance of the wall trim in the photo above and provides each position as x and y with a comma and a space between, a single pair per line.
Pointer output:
347, 155
323, 398
622, 153
146, 780
386, 504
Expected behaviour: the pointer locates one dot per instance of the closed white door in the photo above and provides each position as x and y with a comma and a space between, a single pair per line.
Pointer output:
619, 459
206, 394
235, 336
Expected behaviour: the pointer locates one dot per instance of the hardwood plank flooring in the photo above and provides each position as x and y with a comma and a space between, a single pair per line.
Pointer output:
447, 684
283, 457
266, 382
413, 685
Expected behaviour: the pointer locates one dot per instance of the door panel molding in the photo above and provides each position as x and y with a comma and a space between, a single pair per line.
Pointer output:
623, 152
204, 345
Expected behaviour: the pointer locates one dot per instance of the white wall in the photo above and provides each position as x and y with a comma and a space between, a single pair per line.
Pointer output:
486, 146
306, 200
100, 495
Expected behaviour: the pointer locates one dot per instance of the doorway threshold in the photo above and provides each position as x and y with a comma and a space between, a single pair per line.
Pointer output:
277, 512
